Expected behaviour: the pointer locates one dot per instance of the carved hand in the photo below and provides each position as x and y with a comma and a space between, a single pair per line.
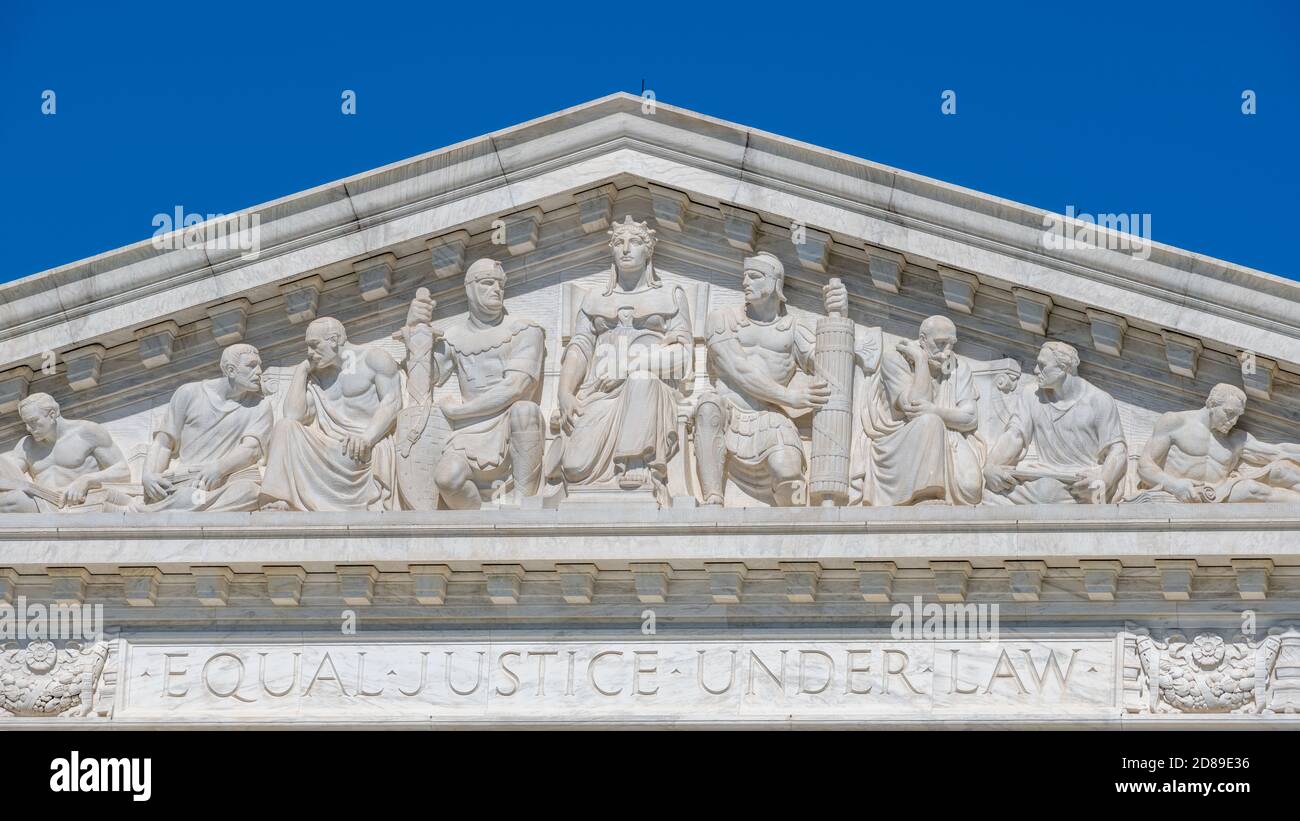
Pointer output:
1082, 488
357, 447
421, 310
1184, 490
76, 492
998, 478
911, 350
836, 298
570, 410
813, 395
913, 409
210, 476
156, 487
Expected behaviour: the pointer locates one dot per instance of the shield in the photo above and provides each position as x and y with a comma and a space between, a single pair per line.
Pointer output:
422, 430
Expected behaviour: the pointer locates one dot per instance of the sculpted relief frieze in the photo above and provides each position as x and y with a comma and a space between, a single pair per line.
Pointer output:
658, 395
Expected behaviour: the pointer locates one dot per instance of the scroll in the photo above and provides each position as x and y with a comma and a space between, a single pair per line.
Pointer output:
832, 425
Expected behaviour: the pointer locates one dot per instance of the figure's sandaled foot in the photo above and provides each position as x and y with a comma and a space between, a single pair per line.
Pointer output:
634, 478
712, 500
277, 504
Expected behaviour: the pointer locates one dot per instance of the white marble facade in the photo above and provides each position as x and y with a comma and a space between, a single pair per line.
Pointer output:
665, 386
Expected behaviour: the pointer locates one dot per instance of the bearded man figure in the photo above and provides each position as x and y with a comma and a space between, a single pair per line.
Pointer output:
207, 453
1076, 430
1202, 456
333, 450
919, 419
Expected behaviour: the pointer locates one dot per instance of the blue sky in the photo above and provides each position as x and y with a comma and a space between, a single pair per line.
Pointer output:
1108, 108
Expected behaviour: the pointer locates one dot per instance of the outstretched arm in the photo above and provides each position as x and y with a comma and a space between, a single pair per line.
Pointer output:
1005, 453
733, 364
1007, 448
1260, 453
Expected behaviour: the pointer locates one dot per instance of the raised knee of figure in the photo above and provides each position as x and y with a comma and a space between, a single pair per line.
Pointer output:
930, 422
525, 416
786, 466
451, 474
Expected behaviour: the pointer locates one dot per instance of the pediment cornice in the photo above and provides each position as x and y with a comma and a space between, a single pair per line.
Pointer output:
860, 206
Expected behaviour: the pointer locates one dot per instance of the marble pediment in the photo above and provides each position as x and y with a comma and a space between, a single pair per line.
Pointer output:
112, 337
771, 539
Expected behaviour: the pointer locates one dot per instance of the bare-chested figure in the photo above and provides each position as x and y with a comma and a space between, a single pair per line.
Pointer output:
1201, 456
333, 450
59, 463
742, 428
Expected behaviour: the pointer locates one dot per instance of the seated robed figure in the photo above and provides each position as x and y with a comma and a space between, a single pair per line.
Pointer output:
624, 371
333, 450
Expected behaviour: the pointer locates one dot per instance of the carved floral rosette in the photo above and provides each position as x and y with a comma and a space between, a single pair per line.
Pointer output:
1207, 673
44, 679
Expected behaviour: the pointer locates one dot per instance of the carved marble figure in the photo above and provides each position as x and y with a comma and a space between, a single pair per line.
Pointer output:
622, 375
1201, 456
62, 464
743, 428
207, 454
920, 418
497, 431
1075, 428
333, 450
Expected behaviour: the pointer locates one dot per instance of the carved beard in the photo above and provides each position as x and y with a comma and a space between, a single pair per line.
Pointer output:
946, 366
